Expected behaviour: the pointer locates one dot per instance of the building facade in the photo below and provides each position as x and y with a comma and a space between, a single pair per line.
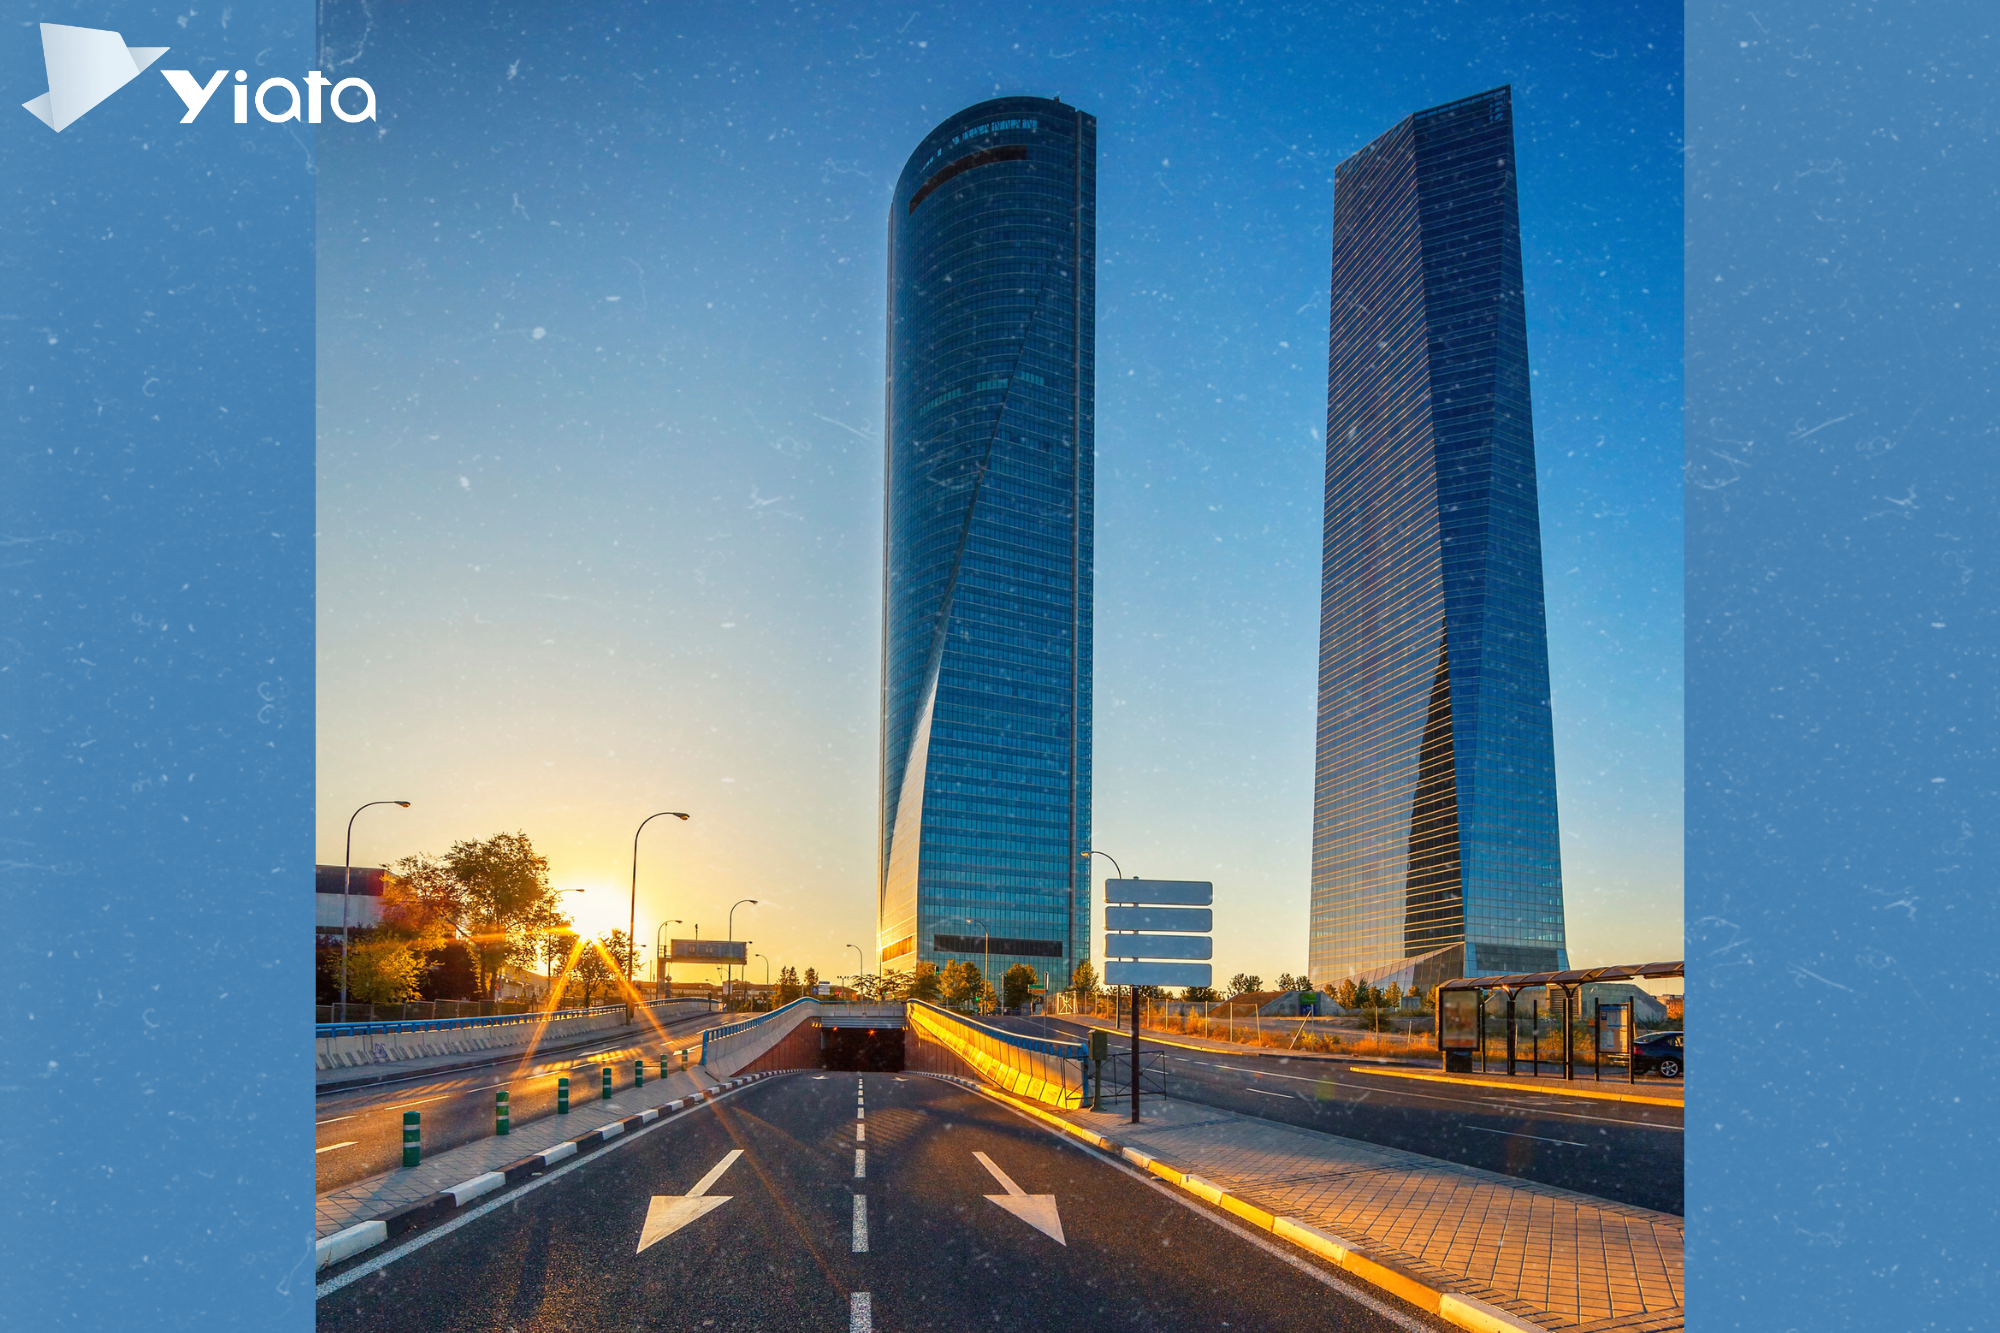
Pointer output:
1435, 852
985, 799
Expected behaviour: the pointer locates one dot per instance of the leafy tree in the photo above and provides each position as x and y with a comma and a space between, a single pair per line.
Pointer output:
1200, 995
1394, 996
496, 896
615, 943
1015, 984
961, 982
1344, 995
1084, 980
589, 972
1244, 984
923, 984
788, 984
1287, 982
811, 980
381, 969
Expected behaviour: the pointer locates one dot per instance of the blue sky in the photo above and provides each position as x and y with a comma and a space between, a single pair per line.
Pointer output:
600, 386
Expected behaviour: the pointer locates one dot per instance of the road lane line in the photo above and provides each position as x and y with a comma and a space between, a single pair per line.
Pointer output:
419, 1101
334, 1121
1538, 1138
860, 1313
860, 1114
861, 1224
331, 1146
1538, 1112
861, 1133
1268, 1093
860, 1163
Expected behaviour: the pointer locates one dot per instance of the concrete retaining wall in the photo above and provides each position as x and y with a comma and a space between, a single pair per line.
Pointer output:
380, 1048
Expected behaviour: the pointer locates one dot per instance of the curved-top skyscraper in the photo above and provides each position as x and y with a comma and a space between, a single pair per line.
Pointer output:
987, 550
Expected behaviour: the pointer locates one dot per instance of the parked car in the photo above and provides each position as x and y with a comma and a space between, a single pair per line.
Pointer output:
1659, 1053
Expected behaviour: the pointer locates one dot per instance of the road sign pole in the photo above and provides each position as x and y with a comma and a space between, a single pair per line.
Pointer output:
1135, 1055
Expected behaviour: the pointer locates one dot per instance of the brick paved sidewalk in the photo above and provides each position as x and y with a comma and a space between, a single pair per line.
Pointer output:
370, 1198
1561, 1260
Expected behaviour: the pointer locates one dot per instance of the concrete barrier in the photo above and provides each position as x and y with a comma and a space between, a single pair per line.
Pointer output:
350, 1045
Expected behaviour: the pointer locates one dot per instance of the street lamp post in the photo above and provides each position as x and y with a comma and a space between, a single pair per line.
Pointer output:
861, 962
1114, 865
346, 888
1133, 999
632, 918
660, 951
768, 997
732, 924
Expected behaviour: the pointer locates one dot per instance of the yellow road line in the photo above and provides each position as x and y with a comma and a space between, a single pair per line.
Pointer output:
1591, 1093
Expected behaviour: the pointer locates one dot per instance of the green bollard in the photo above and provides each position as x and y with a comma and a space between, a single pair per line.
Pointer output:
501, 1123
607, 1084
638, 1073
562, 1095
663, 1066
413, 1137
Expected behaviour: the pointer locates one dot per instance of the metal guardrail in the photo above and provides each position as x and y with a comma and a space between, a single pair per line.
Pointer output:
1054, 1072
324, 1030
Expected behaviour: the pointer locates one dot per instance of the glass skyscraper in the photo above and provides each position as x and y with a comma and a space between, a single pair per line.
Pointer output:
987, 543
1434, 812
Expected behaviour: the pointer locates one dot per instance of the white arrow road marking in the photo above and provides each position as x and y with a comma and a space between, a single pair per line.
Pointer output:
668, 1213
1037, 1210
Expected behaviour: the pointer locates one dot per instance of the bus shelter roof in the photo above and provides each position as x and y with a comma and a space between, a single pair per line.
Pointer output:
1574, 977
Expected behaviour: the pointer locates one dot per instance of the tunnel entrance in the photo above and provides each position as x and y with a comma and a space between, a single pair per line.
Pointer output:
862, 1050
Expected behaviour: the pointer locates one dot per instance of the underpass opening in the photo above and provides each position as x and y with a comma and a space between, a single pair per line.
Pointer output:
862, 1050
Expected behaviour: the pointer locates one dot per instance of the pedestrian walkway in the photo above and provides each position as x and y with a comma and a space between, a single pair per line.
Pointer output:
367, 1199
1557, 1259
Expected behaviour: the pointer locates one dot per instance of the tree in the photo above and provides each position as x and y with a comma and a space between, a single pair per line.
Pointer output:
1015, 984
1287, 982
811, 981
924, 984
1084, 980
1393, 997
589, 971
616, 943
382, 969
1200, 995
1344, 995
788, 984
961, 983
494, 894
1244, 984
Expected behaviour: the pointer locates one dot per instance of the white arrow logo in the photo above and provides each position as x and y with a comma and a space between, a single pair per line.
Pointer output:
1037, 1210
85, 65
668, 1213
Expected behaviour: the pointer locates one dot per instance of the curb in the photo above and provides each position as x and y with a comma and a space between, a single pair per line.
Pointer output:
1467, 1312
350, 1241
1592, 1094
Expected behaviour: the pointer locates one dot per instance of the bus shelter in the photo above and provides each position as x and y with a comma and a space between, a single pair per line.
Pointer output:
1462, 1008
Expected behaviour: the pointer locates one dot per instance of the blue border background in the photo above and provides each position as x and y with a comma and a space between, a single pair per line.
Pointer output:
1842, 279
156, 687
156, 700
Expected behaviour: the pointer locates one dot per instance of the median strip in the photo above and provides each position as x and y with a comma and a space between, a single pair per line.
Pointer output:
350, 1241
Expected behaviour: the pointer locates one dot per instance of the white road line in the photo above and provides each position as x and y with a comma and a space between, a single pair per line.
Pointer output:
334, 1121
1480, 1129
1268, 1093
860, 1163
861, 1224
331, 1146
860, 1113
1516, 1107
420, 1101
860, 1313
861, 1133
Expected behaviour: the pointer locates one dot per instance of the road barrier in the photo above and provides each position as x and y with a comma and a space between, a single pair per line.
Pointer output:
502, 1122
562, 1095
607, 1084
345, 1045
638, 1073
726, 1050
413, 1137
1039, 1068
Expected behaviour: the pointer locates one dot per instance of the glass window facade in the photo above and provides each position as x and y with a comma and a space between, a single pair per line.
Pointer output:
987, 545
1434, 811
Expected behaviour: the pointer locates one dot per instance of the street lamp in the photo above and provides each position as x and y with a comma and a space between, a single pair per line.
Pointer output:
767, 979
346, 888
660, 950
632, 917
861, 962
732, 920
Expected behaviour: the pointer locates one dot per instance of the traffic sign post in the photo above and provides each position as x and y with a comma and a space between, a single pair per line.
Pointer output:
1134, 941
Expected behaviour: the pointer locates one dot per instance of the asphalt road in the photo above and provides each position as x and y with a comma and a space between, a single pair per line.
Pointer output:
359, 1133
1614, 1150
788, 1248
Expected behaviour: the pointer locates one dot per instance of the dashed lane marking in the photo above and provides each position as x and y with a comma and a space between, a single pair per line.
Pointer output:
861, 1224
331, 1146
860, 1313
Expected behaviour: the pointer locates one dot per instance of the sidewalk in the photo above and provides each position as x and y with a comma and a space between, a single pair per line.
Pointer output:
1553, 1258
367, 1199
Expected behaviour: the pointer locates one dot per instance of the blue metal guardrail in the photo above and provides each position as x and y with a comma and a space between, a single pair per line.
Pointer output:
732, 1029
322, 1030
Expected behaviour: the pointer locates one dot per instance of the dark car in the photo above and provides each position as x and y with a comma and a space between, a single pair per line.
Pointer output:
1659, 1053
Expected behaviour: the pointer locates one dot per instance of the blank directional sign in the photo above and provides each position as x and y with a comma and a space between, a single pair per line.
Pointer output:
1157, 946
1158, 974
1169, 892
1159, 918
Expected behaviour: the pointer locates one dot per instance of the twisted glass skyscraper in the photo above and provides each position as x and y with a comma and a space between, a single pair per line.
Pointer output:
986, 582
1434, 813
